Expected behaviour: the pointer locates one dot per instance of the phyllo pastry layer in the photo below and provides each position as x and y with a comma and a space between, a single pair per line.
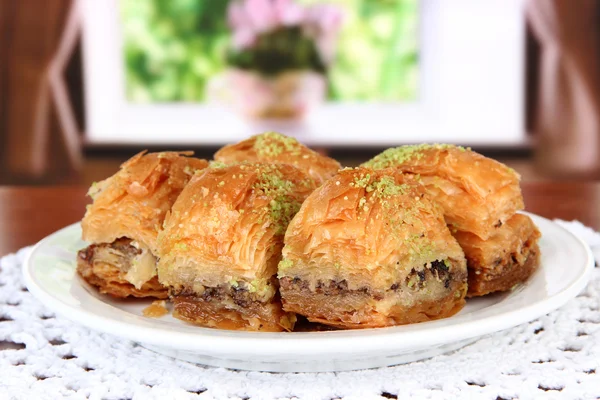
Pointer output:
222, 242
272, 147
477, 194
369, 249
505, 259
123, 221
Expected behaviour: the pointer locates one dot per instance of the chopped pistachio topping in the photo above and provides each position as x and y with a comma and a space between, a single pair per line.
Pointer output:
273, 144
217, 164
283, 205
386, 187
94, 190
400, 155
381, 188
285, 264
362, 180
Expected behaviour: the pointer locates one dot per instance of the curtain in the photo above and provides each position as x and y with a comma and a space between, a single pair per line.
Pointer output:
567, 118
30, 31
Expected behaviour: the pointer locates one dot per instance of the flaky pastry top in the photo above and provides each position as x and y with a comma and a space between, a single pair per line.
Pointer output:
277, 148
477, 194
509, 238
133, 202
228, 225
370, 228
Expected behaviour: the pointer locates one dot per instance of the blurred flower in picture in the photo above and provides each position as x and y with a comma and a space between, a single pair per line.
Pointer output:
279, 56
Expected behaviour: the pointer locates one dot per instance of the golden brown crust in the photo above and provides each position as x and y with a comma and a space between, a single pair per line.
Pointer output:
477, 194
133, 202
110, 280
276, 148
226, 230
507, 258
512, 273
265, 317
426, 311
374, 231
364, 309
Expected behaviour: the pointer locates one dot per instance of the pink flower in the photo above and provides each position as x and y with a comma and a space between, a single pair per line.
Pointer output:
326, 18
288, 12
236, 15
250, 18
243, 39
323, 22
261, 14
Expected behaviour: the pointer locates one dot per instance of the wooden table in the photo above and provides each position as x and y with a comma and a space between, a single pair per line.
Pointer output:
28, 214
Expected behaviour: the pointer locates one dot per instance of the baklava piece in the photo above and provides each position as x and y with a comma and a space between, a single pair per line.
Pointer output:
123, 222
477, 194
507, 258
369, 249
479, 197
272, 147
222, 242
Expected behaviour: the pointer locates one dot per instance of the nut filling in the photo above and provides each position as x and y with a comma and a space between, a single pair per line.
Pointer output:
120, 269
120, 251
430, 291
435, 271
232, 307
240, 294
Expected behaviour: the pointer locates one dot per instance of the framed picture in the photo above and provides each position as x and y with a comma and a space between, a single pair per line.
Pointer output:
331, 72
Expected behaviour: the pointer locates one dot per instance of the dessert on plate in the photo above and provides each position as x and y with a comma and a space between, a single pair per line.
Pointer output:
271, 230
222, 242
123, 222
479, 197
370, 249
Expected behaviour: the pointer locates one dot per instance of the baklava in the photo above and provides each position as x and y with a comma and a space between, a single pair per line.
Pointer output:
272, 147
479, 196
123, 222
222, 242
508, 257
369, 249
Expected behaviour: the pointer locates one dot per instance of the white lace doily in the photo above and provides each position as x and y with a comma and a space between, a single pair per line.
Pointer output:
556, 356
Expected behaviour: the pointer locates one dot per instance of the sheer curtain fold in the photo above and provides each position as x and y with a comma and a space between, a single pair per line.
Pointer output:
30, 32
567, 119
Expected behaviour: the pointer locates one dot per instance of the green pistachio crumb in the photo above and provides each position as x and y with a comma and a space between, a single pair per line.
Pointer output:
217, 164
362, 180
273, 144
399, 155
283, 204
285, 264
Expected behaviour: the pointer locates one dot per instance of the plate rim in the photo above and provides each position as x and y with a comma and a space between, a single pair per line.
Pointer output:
243, 343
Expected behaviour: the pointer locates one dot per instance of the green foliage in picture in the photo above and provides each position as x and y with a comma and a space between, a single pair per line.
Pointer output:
273, 54
173, 48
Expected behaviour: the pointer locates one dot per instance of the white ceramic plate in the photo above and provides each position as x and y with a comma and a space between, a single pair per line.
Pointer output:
50, 276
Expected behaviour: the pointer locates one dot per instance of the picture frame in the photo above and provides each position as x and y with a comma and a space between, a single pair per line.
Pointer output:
471, 89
